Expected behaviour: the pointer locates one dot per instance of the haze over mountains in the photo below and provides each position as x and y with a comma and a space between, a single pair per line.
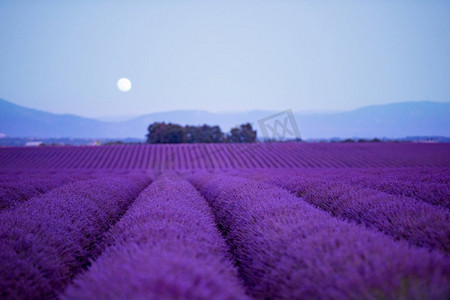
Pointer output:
397, 120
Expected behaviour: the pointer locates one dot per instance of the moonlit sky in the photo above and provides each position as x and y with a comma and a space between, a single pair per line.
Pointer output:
66, 56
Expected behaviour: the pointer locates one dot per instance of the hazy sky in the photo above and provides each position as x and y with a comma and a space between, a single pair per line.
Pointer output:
66, 56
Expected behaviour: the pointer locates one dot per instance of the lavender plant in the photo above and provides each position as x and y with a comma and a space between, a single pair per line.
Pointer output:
287, 249
165, 247
48, 239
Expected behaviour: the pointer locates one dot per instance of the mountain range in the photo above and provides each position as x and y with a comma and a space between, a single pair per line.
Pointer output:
396, 120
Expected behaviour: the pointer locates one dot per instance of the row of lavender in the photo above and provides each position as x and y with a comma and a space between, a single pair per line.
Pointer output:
17, 188
287, 249
49, 237
167, 247
227, 156
427, 184
167, 244
413, 219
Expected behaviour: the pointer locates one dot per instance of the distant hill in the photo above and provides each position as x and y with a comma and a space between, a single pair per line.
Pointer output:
19, 121
396, 120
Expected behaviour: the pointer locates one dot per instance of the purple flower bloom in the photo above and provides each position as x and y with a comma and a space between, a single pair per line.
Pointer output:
165, 247
48, 239
285, 248
418, 222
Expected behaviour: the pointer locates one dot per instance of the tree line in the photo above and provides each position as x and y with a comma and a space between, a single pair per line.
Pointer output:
169, 133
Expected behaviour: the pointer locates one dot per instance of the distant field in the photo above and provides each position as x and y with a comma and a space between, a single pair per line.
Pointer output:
226, 221
228, 156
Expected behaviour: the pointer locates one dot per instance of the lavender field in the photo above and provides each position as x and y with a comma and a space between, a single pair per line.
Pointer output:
226, 221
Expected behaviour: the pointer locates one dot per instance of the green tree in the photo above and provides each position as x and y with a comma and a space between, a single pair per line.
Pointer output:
162, 133
242, 134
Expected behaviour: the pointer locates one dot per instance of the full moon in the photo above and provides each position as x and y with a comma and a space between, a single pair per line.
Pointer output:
124, 84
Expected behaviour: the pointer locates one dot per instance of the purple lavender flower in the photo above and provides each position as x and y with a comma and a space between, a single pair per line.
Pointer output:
287, 249
165, 247
48, 239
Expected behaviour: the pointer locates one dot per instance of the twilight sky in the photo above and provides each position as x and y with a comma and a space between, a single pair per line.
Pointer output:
66, 56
